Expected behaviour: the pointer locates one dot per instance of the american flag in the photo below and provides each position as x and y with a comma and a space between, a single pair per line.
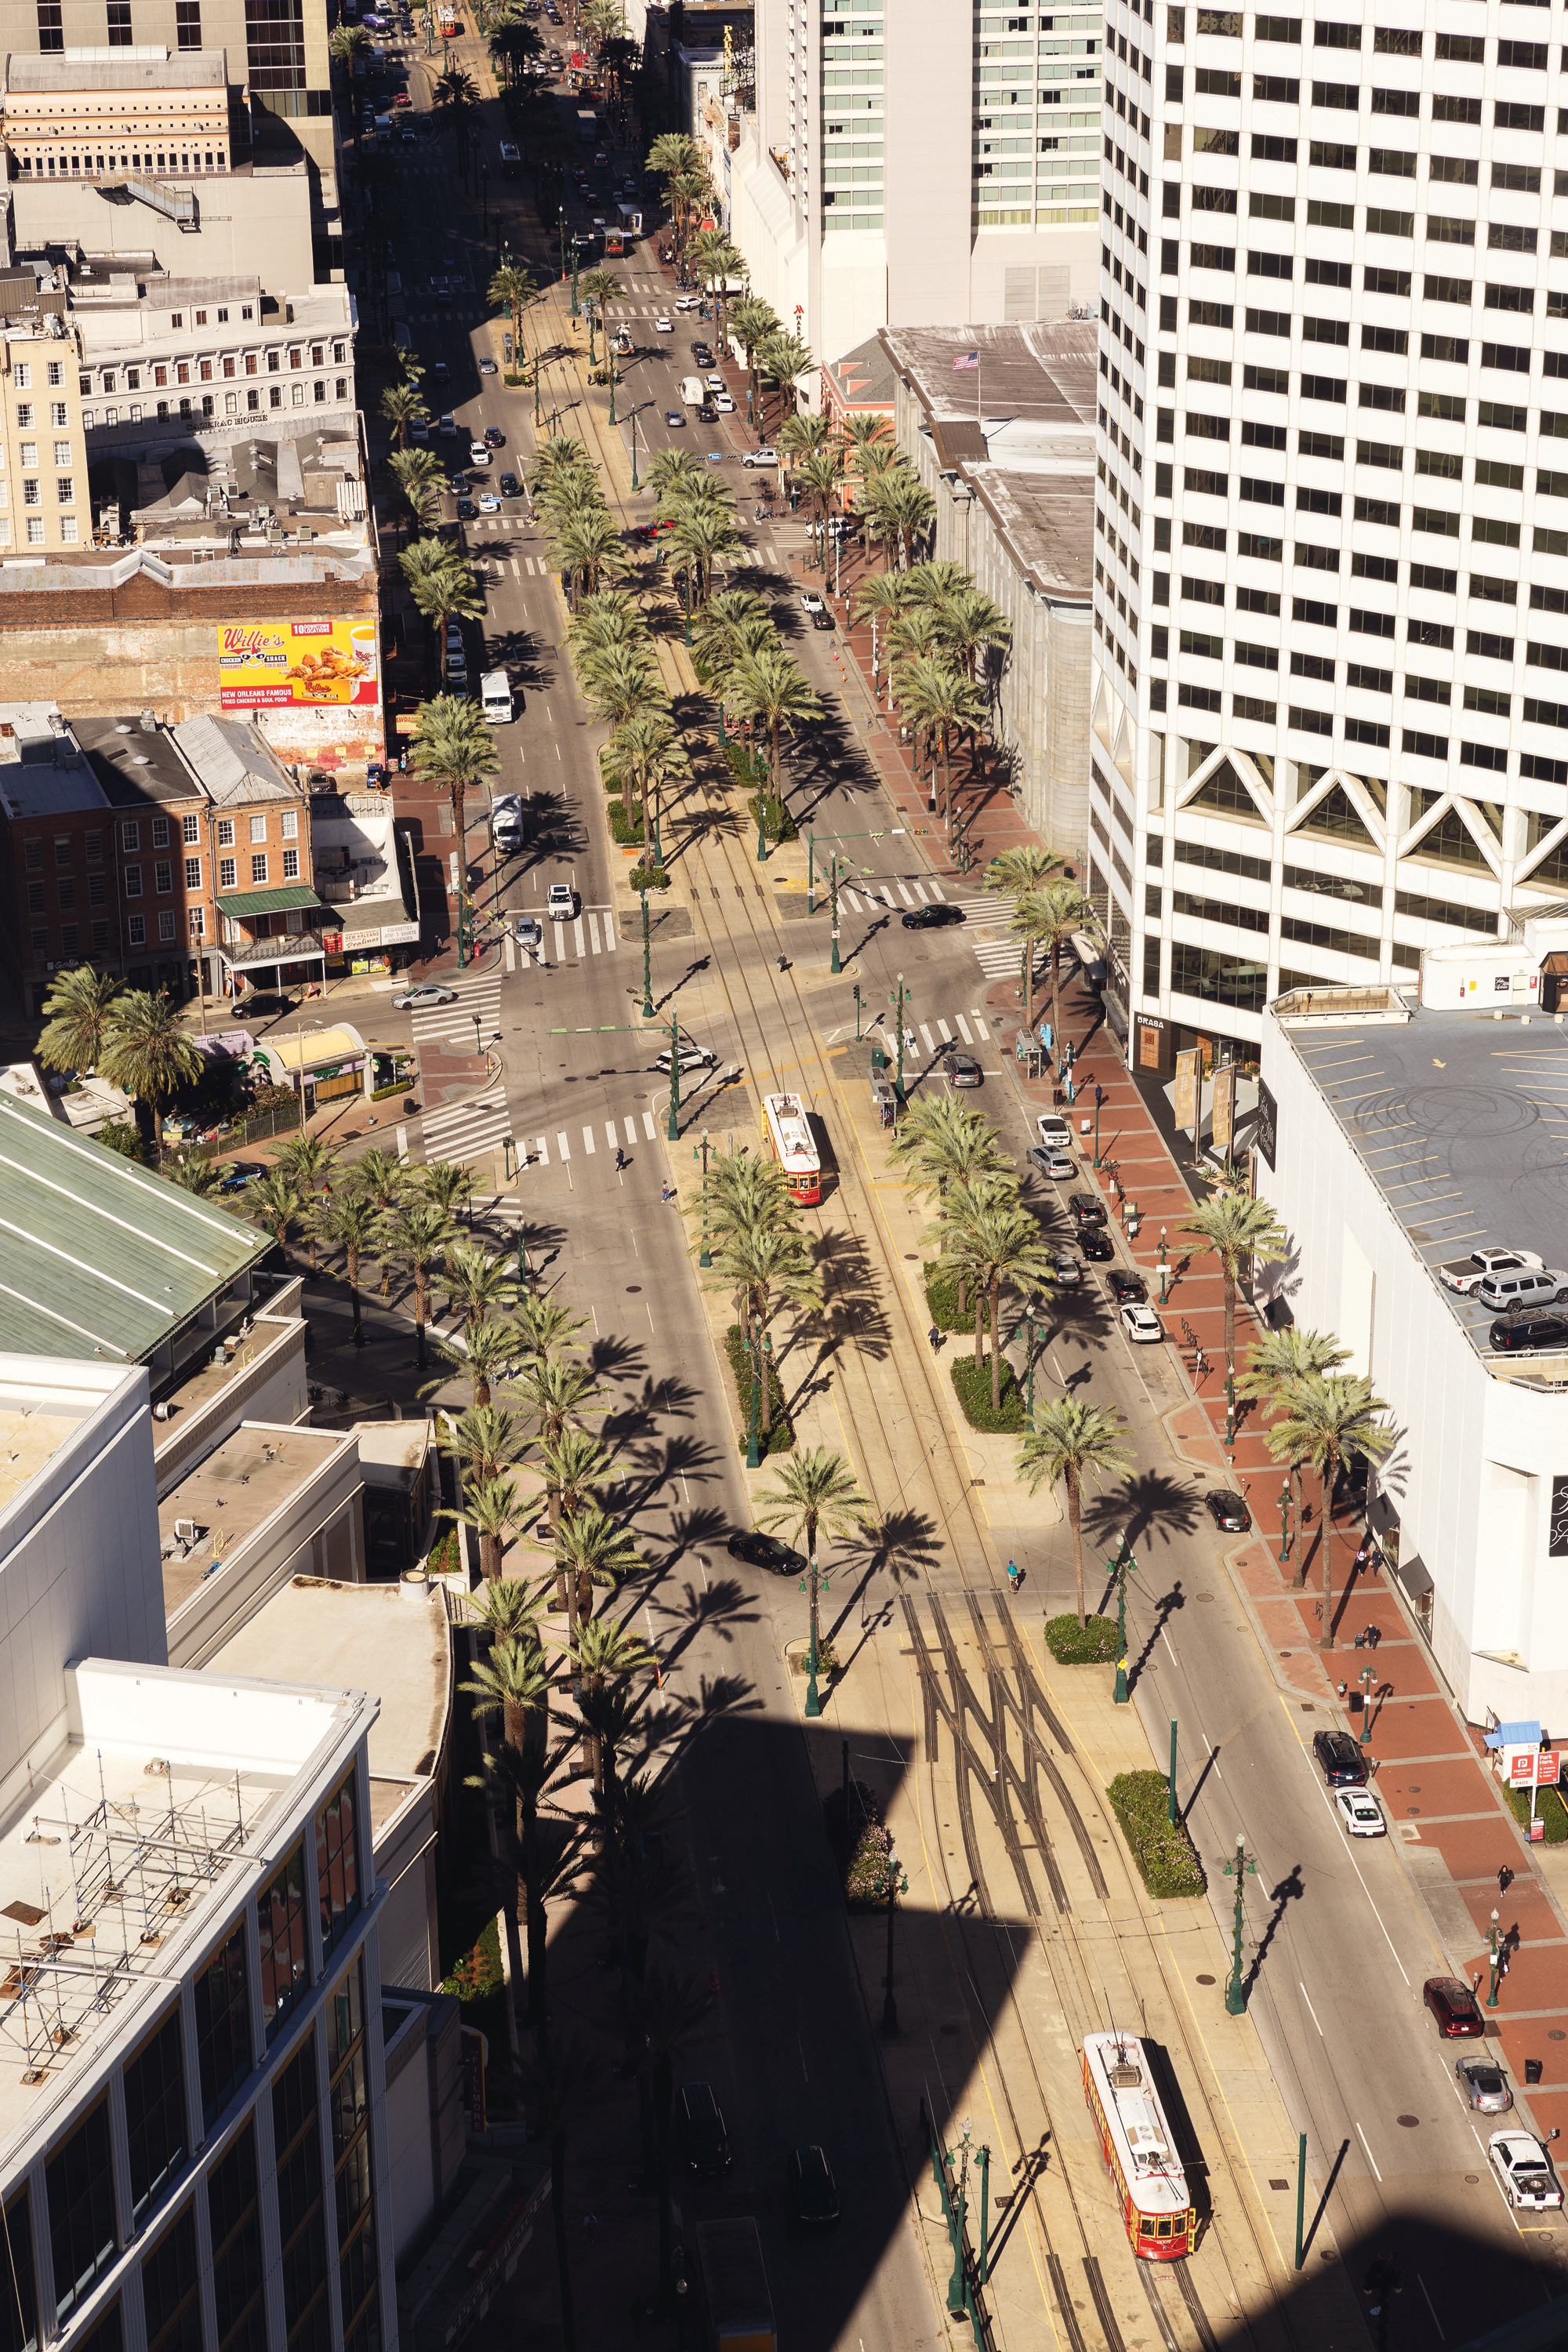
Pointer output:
965, 359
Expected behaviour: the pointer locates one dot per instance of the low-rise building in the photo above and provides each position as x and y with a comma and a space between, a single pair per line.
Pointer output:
364, 876
1398, 1138
999, 423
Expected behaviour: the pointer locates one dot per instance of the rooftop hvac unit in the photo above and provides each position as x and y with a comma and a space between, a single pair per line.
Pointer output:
185, 1529
162, 1410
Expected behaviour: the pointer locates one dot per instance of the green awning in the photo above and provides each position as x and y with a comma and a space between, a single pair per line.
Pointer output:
282, 901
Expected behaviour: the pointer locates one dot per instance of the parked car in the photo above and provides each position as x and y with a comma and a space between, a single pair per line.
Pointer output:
812, 2192
707, 414
1463, 1274
1087, 1207
1453, 2004
1057, 1166
1339, 1759
962, 1070
725, 402
506, 822
419, 999
763, 457
1141, 1323
1361, 1814
1507, 1293
1127, 1289
1096, 1244
704, 2138
1227, 1510
1067, 1270
1052, 1128
765, 1551
1483, 2085
926, 919
1518, 1334
1523, 2167
823, 620
487, 367
810, 602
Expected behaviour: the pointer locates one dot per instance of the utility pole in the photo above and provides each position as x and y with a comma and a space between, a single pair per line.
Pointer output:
898, 998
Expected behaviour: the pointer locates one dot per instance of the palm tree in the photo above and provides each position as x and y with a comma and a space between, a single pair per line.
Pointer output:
453, 746
1049, 916
1015, 871
700, 536
587, 547
479, 1283
576, 1465
672, 2009
193, 1174
769, 688
898, 505
308, 1162
939, 698
510, 1611
78, 1012
512, 288
816, 1490
1071, 1442
946, 1148
1328, 1418
442, 589
753, 323
593, 1549
482, 1355
513, 1682
485, 1441
601, 286
145, 1052
996, 1240
349, 1222
418, 1238
421, 478
491, 1508
622, 684
274, 1201
766, 1268
401, 404
455, 98
544, 1324
1276, 1360
448, 1183
1235, 1227
344, 44
382, 1177
820, 475
783, 360
556, 2085
604, 1651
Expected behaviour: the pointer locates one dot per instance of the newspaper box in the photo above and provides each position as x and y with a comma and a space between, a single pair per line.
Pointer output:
883, 1101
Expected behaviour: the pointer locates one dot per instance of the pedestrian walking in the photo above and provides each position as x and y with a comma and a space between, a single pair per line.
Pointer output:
934, 1336
1013, 1575
620, 1160
1504, 1879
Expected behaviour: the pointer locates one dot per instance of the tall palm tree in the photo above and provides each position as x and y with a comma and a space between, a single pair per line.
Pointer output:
146, 1053
511, 1681
512, 288
384, 1178
1072, 1441
898, 508
349, 1222
783, 360
447, 1182
576, 1465
604, 1652
1015, 871
479, 1283
491, 1509
768, 1268
454, 747
421, 478
557, 2084
485, 1441
418, 1238
193, 1173
402, 404
600, 287
997, 1241
344, 44
1049, 916
510, 1611
1329, 1420
274, 1200
441, 586
702, 535
481, 1357
592, 1551
1278, 1359
815, 1491
544, 1324
768, 689
820, 475
622, 684
939, 698
940, 1146
753, 323
587, 546
78, 1012
1235, 1227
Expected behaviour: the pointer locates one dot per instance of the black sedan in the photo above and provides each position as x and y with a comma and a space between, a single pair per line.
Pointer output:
931, 919
1127, 1289
812, 2192
765, 1551
495, 436
510, 486
1341, 1759
1098, 1246
466, 510
1227, 1511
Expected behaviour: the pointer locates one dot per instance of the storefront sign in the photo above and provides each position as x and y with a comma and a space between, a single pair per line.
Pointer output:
1223, 1115
270, 665
1188, 1065
1267, 1124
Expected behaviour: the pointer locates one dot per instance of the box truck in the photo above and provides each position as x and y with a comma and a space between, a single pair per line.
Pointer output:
735, 2286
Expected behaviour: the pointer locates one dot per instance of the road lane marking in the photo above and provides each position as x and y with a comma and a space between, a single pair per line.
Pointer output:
963, 1029
1437, 2323
922, 894
588, 1144
646, 1124
930, 1040
983, 1033
904, 895
544, 1153
889, 897
1370, 2158
610, 1136
946, 1032
1310, 2010
562, 1146
577, 936
631, 1129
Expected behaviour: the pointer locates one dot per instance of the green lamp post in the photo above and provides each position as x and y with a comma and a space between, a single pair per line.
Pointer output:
898, 998
1241, 1869
705, 1258
674, 1128
1284, 1522
647, 964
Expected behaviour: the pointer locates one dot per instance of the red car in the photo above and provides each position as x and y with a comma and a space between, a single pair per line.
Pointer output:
1454, 2006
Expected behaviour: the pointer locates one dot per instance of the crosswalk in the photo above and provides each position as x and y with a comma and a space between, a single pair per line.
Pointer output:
453, 1024
997, 955
592, 918
468, 1130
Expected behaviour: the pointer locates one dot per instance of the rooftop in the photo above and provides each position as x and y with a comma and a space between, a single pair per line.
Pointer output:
42, 771
132, 763
1018, 429
1462, 1123
864, 377
101, 1258
372, 1637
65, 76
233, 762
229, 1494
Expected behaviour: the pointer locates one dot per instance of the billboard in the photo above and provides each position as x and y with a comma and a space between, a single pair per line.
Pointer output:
1189, 1066
1223, 1115
273, 664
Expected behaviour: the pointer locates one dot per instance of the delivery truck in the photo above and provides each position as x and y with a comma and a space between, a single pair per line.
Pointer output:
735, 2286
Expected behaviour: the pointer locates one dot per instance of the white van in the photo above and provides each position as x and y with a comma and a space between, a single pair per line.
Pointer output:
692, 395
495, 698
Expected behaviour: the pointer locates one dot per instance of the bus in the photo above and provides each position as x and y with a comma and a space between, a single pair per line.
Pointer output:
787, 1132
1150, 2184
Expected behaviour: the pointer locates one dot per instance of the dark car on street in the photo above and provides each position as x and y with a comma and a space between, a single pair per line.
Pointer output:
704, 2138
931, 919
495, 436
1341, 1759
510, 486
1456, 2008
1096, 1244
765, 1551
1127, 1289
812, 2192
1229, 1512
466, 510
1086, 1208
962, 1070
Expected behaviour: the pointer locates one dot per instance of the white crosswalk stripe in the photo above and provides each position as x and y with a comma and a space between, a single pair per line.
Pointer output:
449, 1024
1002, 958
562, 1146
468, 1130
589, 1146
648, 1126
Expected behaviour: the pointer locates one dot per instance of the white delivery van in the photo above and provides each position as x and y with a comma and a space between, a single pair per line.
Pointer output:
495, 698
692, 395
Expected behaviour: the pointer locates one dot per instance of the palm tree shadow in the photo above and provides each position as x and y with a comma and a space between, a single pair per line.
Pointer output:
1150, 1509
852, 1304
682, 1456
714, 1607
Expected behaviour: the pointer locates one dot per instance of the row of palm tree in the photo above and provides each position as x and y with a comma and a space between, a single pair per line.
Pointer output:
939, 634
132, 1036
1047, 910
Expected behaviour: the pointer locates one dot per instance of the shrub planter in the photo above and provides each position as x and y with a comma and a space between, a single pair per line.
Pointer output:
941, 1299
1162, 1848
972, 1385
780, 1439
859, 1843
1091, 1644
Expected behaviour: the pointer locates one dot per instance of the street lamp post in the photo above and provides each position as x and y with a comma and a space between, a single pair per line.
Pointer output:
817, 1584
900, 997
1367, 1679
1284, 1522
760, 771
1124, 1565
647, 964
634, 425
835, 966
705, 1258
1098, 1099
753, 1450
1029, 1311
1234, 1991
1492, 1996
896, 1886
674, 1128
1163, 1269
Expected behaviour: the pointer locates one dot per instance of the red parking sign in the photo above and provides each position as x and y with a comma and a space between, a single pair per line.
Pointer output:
1546, 1765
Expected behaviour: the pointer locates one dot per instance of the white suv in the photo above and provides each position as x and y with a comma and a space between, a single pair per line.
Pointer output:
560, 904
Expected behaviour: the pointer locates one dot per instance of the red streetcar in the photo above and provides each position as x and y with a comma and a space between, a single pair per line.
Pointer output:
1118, 2086
787, 1132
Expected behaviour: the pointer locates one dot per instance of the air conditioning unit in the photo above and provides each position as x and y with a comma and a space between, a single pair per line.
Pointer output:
163, 1410
185, 1529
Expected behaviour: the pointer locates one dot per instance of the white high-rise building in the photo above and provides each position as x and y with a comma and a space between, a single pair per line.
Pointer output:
1331, 555
872, 195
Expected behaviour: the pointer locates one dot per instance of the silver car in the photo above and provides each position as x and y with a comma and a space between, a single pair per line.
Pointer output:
1067, 1269
1484, 2085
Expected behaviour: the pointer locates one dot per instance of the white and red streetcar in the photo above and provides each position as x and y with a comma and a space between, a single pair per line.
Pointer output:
1119, 2085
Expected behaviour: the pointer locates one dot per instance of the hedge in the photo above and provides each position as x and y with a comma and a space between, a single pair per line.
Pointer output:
972, 1385
781, 1439
1072, 1644
778, 823
941, 1298
1162, 1849
650, 878
625, 831
859, 1843
1549, 1808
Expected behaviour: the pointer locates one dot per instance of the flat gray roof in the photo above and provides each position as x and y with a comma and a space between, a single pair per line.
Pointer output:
1462, 1123
67, 76
99, 1258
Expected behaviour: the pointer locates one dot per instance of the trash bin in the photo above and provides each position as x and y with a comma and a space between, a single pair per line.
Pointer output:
1532, 2070
879, 1059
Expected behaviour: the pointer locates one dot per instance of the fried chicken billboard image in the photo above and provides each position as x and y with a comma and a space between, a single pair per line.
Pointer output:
273, 664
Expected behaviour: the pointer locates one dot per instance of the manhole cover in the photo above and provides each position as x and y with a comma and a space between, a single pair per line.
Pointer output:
1202, 1596
1279, 2184
913, 1256
1413, 1809
633, 1289
1413, 1787
1556, 2034
1407, 2123
1206, 1981
1472, 2180
1287, 1654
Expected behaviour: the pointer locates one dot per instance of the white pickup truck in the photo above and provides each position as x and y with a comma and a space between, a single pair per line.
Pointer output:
1463, 1274
560, 902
